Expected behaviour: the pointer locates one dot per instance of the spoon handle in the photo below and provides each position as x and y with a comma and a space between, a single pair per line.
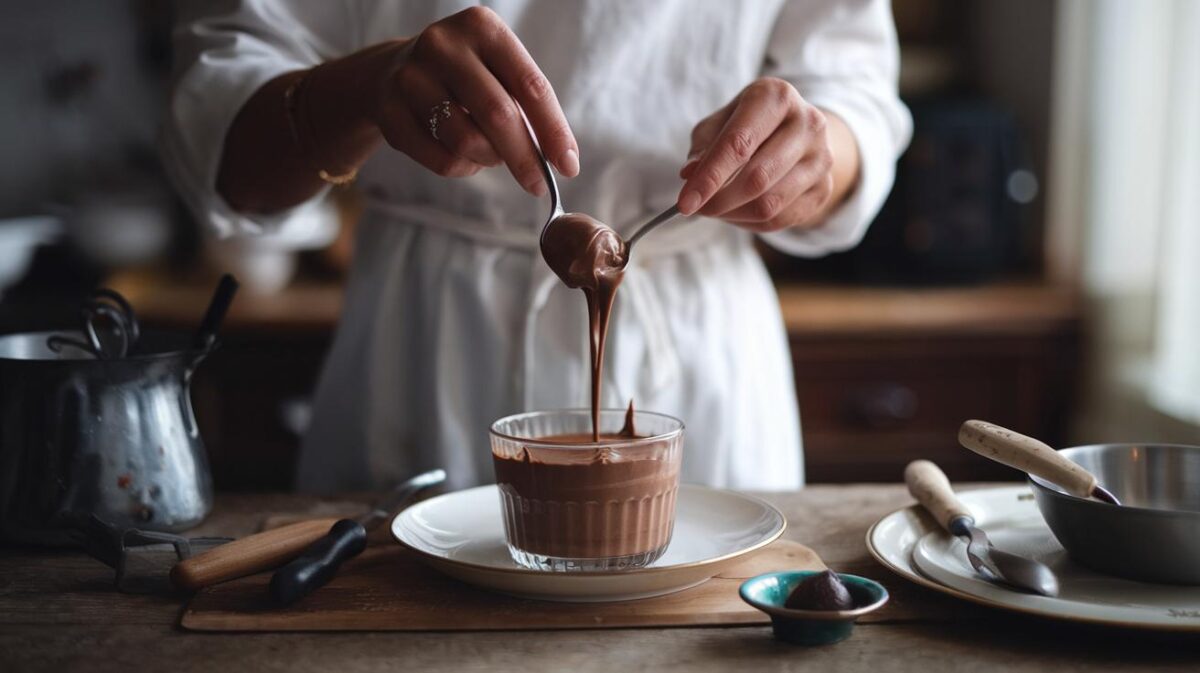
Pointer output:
547, 172
662, 218
1026, 454
929, 485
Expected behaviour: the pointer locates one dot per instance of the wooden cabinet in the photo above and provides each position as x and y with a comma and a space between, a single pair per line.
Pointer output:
886, 376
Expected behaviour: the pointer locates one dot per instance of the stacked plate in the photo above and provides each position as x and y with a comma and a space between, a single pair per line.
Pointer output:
911, 543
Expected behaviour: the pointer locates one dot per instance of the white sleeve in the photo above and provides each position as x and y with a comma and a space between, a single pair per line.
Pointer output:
843, 57
225, 51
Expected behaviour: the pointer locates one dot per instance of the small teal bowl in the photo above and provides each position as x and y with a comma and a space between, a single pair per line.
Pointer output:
810, 627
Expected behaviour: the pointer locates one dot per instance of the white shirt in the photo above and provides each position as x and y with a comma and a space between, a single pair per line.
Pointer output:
452, 319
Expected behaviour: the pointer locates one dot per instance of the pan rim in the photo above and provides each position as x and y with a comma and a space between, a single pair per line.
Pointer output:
1052, 490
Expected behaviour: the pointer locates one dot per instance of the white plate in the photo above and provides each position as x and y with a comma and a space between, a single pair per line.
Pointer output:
461, 534
912, 545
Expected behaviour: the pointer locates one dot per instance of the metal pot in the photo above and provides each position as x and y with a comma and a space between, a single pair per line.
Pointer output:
1154, 536
81, 435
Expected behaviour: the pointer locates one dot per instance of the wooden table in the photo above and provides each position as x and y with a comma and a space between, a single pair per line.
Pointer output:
58, 612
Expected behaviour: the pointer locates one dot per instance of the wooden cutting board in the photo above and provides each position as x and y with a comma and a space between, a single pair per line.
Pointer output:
388, 589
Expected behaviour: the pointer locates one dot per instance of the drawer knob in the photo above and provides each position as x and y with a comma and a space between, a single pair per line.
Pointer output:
882, 406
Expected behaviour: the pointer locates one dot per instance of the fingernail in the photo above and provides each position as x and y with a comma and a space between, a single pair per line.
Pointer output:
689, 201
569, 164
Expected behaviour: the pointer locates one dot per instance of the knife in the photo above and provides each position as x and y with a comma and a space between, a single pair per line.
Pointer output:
929, 485
267, 549
347, 538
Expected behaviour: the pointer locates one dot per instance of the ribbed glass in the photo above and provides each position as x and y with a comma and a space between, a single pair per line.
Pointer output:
592, 506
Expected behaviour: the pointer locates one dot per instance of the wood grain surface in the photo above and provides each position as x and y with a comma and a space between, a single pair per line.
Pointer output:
59, 612
387, 588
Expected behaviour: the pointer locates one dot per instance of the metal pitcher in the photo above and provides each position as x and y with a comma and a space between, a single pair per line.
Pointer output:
113, 437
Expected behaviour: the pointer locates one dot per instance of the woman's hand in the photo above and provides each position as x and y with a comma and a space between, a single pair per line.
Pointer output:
764, 161
473, 60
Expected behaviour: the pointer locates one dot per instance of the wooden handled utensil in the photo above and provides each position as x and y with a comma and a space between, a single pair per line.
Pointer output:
929, 485
248, 555
347, 538
309, 552
1032, 457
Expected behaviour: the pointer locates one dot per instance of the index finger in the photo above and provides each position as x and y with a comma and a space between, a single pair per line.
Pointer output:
748, 126
516, 70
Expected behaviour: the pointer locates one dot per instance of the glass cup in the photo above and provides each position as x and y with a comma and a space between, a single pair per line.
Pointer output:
570, 504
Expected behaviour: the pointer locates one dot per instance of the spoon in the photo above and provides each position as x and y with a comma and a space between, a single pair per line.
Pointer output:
1032, 457
557, 211
929, 485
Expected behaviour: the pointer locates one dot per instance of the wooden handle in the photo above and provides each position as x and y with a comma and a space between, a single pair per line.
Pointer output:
929, 485
248, 555
1027, 455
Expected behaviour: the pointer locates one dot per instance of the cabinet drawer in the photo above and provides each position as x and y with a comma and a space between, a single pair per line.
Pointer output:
868, 407
904, 396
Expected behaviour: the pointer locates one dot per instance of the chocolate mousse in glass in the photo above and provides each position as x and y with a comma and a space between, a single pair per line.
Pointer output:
573, 504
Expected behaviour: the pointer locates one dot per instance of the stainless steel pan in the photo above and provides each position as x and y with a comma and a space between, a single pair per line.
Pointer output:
1154, 536
1131, 510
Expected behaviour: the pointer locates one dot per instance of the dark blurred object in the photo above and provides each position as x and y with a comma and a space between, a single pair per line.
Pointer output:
957, 212
19, 239
141, 558
99, 425
925, 21
250, 396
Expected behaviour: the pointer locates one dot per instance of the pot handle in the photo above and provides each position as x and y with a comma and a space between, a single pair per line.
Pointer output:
1027, 455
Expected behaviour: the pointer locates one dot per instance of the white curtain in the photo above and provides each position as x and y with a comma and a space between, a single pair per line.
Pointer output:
1175, 387
1125, 207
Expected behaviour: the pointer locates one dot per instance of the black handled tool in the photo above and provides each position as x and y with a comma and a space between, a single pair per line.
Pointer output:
320, 561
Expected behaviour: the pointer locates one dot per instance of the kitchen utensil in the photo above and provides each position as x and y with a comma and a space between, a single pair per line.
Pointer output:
662, 218
461, 534
929, 485
113, 437
141, 558
248, 555
1015, 523
557, 211
258, 552
1155, 535
556, 206
346, 539
1032, 457
769, 592
104, 307
206, 334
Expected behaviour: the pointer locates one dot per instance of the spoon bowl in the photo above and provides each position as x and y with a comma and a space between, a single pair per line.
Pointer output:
557, 212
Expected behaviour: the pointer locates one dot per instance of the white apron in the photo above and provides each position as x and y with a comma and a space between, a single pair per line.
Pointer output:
452, 319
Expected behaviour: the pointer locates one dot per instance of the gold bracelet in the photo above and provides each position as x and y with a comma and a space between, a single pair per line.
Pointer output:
291, 103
